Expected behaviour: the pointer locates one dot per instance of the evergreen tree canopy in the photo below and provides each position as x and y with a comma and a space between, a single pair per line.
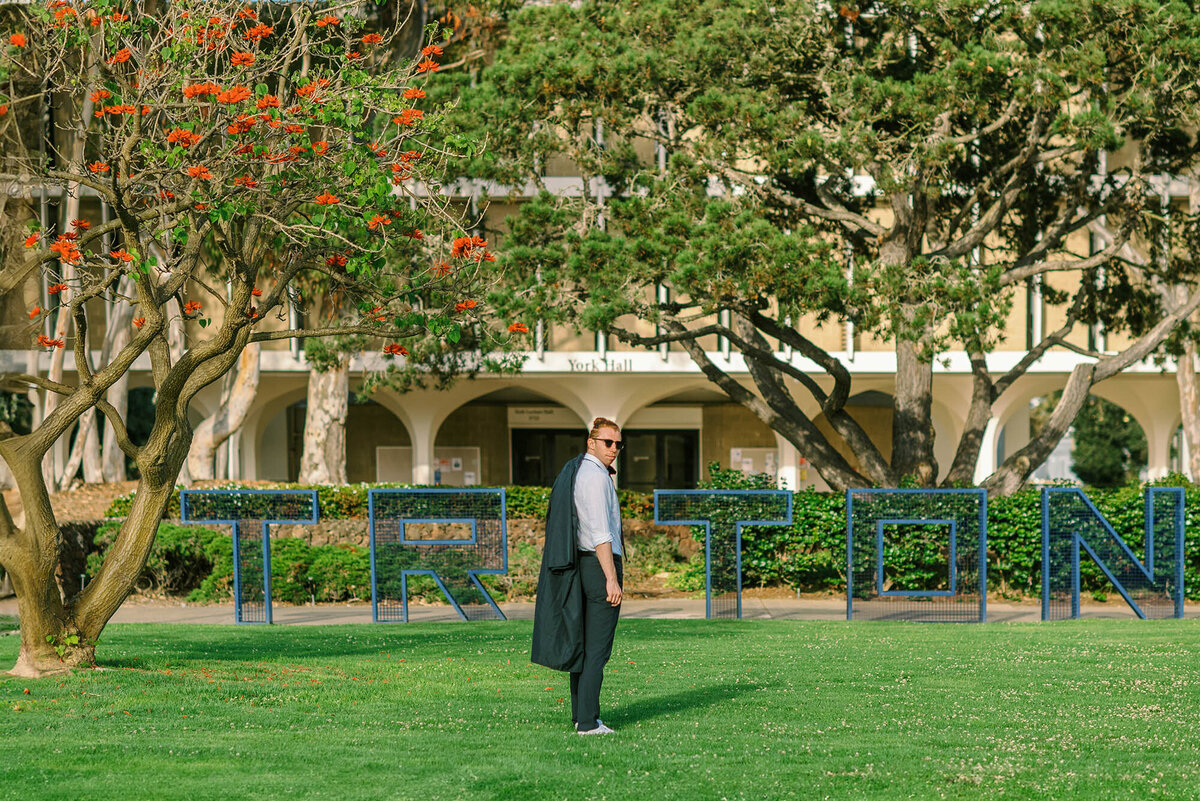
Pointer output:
752, 170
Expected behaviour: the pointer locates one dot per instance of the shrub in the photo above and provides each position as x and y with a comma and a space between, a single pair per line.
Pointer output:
692, 577
657, 553
520, 582
291, 558
179, 561
217, 585
340, 572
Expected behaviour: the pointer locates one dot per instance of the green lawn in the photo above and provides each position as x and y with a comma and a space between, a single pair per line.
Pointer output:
1096, 709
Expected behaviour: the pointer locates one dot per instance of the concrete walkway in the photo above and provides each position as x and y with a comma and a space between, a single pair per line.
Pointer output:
137, 610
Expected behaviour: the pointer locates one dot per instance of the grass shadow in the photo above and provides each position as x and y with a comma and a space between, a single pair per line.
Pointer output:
662, 705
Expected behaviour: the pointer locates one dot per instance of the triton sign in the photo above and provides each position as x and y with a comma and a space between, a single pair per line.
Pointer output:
910, 554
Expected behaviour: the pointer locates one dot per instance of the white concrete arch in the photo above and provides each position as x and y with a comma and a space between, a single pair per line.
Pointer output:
279, 396
262, 414
446, 402
393, 402
1141, 395
428, 410
1155, 410
947, 424
495, 438
636, 401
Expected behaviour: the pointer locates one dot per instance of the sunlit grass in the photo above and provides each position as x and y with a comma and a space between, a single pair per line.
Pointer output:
703, 709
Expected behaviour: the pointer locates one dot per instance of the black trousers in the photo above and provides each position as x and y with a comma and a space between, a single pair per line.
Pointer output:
599, 626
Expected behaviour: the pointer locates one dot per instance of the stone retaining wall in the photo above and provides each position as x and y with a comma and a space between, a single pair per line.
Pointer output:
355, 532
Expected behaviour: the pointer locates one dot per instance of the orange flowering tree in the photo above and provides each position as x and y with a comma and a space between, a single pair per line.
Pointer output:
237, 150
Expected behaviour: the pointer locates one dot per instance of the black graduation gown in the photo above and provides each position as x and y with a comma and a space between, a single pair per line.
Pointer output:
558, 610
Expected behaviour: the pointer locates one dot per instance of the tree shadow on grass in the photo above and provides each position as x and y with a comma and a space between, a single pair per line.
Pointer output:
663, 705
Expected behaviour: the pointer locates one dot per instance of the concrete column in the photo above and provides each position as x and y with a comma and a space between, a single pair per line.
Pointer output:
1154, 404
234, 443
1185, 456
988, 456
608, 410
1158, 451
248, 456
423, 434
788, 476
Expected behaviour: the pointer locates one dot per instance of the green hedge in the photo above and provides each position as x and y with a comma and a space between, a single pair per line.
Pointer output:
350, 501
198, 561
807, 556
811, 555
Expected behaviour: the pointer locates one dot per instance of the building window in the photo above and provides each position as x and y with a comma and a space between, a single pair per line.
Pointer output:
539, 453
659, 459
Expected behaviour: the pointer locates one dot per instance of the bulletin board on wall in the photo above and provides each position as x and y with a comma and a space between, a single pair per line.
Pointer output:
755, 460
458, 466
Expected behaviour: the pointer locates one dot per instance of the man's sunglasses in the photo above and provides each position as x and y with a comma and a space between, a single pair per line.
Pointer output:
608, 443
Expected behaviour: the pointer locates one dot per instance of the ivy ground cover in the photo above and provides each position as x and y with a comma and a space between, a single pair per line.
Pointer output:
702, 709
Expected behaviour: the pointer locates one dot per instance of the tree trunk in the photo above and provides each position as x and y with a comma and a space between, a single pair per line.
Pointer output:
59, 630
324, 457
113, 456
93, 463
109, 464
177, 344
51, 638
228, 418
73, 143
87, 425
912, 422
1189, 405
966, 457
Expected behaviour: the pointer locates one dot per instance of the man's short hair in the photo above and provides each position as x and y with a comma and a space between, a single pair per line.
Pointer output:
603, 422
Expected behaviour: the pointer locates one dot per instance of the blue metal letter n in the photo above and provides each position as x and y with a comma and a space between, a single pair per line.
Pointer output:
724, 514
1072, 525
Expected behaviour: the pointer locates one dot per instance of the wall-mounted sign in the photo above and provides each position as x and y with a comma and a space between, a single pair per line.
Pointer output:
605, 365
542, 417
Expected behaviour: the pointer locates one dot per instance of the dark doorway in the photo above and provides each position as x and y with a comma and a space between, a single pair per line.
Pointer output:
539, 453
652, 458
659, 459
296, 413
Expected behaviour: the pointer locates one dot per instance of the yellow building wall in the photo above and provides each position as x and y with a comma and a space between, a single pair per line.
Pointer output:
730, 425
369, 425
482, 425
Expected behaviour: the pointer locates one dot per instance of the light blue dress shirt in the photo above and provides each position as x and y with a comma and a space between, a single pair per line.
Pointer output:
597, 506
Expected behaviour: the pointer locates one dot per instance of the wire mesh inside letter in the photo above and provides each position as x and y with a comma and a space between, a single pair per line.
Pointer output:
450, 535
722, 514
250, 513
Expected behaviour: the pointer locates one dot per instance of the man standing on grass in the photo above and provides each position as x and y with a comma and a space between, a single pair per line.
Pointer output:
579, 587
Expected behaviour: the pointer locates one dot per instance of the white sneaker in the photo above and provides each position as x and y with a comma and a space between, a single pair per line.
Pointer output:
600, 729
